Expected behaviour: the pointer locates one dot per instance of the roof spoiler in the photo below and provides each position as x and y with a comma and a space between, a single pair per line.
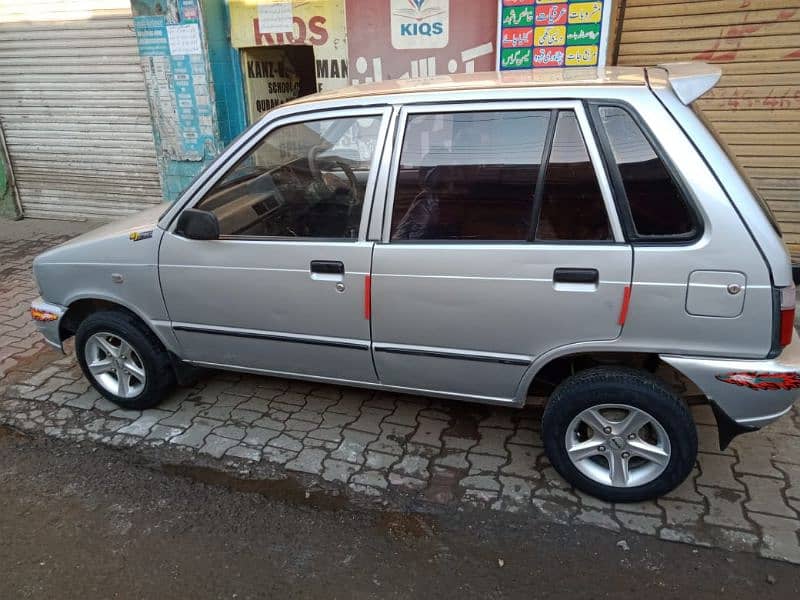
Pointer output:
690, 80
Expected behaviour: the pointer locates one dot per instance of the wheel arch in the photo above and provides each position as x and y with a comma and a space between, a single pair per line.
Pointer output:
551, 369
80, 307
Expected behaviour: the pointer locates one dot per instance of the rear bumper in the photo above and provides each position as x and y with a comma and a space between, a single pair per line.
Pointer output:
49, 328
752, 393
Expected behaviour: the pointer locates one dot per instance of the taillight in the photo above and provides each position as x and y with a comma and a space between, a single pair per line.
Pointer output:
788, 301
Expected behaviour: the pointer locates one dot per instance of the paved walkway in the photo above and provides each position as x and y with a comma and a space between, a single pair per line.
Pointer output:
388, 448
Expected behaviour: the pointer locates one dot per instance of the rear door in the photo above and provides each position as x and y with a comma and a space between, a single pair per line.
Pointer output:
499, 243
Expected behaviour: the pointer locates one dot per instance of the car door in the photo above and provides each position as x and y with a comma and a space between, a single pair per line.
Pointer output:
500, 242
282, 290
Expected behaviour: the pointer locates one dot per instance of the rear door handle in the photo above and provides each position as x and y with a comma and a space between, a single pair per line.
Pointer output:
327, 267
565, 275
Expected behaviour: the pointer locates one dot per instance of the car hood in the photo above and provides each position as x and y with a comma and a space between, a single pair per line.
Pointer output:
139, 222
131, 240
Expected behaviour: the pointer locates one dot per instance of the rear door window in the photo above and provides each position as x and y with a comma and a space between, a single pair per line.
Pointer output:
469, 175
658, 207
514, 176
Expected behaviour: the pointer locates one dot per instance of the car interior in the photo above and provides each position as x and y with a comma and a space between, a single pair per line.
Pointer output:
316, 194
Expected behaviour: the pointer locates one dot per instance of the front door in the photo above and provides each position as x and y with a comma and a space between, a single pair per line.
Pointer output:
283, 289
500, 243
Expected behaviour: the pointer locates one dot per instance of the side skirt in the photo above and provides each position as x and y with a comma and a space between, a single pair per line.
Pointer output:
496, 401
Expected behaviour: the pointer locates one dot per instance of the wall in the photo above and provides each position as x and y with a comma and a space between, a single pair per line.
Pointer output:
174, 56
226, 70
396, 39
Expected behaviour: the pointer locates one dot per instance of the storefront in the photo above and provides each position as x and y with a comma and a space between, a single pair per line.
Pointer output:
74, 109
288, 49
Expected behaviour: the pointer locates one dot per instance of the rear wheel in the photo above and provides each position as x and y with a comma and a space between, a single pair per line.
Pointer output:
619, 434
123, 360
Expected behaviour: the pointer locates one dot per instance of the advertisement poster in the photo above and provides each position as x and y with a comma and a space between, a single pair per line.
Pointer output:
535, 34
168, 35
316, 23
398, 39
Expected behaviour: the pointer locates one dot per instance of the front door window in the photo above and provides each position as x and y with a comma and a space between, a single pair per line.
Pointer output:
304, 180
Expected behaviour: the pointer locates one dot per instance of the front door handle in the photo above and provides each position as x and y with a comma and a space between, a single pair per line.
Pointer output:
327, 267
565, 275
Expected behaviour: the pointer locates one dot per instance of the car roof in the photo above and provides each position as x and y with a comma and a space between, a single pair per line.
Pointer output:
489, 80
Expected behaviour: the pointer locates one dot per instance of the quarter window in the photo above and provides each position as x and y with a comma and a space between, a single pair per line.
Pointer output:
657, 206
305, 180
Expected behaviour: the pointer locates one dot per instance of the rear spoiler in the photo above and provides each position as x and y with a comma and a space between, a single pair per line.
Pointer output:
690, 80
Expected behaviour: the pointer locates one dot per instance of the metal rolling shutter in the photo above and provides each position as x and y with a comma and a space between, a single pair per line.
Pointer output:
756, 106
74, 109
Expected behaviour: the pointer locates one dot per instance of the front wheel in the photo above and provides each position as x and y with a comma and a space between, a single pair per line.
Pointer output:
619, 434
123, 360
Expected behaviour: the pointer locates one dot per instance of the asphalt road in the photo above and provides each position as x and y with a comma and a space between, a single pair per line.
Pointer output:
92, 522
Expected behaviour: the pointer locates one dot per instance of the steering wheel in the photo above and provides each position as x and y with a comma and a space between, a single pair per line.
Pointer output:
316, 173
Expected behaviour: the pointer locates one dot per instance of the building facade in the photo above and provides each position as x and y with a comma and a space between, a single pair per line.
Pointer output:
112, 105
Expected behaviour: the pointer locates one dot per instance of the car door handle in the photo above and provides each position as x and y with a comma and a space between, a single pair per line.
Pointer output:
327, 267
565, 275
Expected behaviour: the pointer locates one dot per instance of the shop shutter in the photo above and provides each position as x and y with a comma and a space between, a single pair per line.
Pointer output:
74, 109
756, 105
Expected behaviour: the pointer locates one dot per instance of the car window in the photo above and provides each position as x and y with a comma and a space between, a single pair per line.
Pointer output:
468, 176
305, 180
572, 203
657, 205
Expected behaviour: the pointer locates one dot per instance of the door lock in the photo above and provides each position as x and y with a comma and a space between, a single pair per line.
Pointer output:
734, 289
340, 287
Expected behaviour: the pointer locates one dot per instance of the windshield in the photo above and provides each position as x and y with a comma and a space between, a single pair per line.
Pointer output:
712, 130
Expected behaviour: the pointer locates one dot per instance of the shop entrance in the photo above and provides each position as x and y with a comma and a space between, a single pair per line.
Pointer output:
276, 74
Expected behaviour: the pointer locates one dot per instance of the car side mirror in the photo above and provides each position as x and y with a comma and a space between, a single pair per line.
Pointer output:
198, 225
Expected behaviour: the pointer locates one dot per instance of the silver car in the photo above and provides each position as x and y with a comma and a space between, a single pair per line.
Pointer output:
575, 234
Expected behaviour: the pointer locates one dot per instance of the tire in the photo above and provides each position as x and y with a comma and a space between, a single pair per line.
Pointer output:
661, 452
144, 358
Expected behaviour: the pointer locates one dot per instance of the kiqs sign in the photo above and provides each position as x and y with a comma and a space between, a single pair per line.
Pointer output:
420, 24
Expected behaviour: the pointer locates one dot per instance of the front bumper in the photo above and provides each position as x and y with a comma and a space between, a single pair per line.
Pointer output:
47, 317
752, 393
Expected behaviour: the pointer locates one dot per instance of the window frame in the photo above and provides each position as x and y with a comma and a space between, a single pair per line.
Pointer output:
618, 185
593, 149
228, 163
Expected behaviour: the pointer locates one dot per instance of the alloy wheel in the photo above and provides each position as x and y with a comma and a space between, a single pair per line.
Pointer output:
618, 445
115, 365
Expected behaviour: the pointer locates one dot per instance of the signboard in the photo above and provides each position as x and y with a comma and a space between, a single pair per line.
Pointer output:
270, 80
420, 23
316, 23
398, 39
535, 34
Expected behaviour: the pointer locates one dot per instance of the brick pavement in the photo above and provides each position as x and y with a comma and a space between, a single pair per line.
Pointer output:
390, 448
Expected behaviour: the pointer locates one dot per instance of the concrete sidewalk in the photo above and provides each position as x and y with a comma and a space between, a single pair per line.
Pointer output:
386, 449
